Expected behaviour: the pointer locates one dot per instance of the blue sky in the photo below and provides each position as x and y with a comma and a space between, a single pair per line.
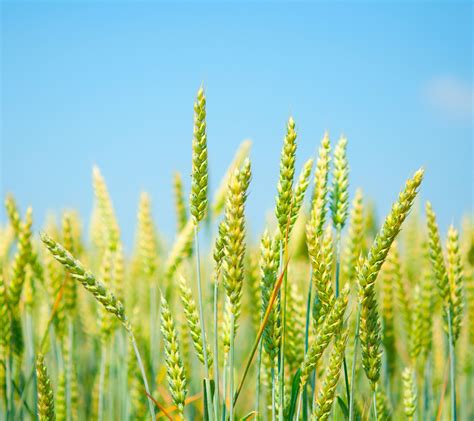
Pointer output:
113, 84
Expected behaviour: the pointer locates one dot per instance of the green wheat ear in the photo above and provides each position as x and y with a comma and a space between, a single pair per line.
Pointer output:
269, 262
456, 279
234, 244
299, 192
45, 392
174, 365
147, 237
221, 193
287, 173
368, 270
192, 319
179, 202
21, 259
5, 331
106, 210
330, 327
409, 393
322, 410
218, 252
13, 213
339, 193
198, 198
322, 261
449, 283
70, 291
87, 279
319, 201
355, 237
436, 255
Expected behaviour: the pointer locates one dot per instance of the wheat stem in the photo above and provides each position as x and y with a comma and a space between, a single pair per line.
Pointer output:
231, 368
142, 371
375, 403
201, 317
306, 340
281, 367
354, 362
9, 388
452, 366
216, 349
338, 266
273, 394
258, 381
103, 363
69, 371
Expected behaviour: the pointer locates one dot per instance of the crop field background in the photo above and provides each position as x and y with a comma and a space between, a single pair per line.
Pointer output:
294, 242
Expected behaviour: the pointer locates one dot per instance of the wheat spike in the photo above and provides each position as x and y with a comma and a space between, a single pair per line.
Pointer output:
45, 392
175, 371
198, 198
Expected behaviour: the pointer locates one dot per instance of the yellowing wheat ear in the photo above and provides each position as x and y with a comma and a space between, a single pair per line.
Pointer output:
221, 193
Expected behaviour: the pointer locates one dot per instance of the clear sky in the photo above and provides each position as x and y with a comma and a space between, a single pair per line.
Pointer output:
113, 84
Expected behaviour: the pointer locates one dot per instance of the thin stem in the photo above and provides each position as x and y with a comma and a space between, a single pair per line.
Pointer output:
9, 389
306, 341
216, 349
452, 365
224, 389
103, 362
69, 371
152, 303
338, 259
273, 395
298, 407
142, 370
201, 317
338, 270
470, 393
375, 403
259, 365
426, 394
31, 352
281, 366
354, 362
271, 302
231, 369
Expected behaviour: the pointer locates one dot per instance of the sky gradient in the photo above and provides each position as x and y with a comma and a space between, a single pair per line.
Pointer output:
87, 83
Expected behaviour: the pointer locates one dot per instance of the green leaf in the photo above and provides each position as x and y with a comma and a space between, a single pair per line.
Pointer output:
294, 394
249, 416
343, 407
206, 409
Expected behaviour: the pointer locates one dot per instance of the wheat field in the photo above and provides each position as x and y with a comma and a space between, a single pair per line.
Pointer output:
331, 314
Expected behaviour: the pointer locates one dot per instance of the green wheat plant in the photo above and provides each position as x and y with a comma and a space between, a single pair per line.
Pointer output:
319, 313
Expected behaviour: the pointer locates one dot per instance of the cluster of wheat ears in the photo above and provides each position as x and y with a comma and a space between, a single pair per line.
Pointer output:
328, 315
